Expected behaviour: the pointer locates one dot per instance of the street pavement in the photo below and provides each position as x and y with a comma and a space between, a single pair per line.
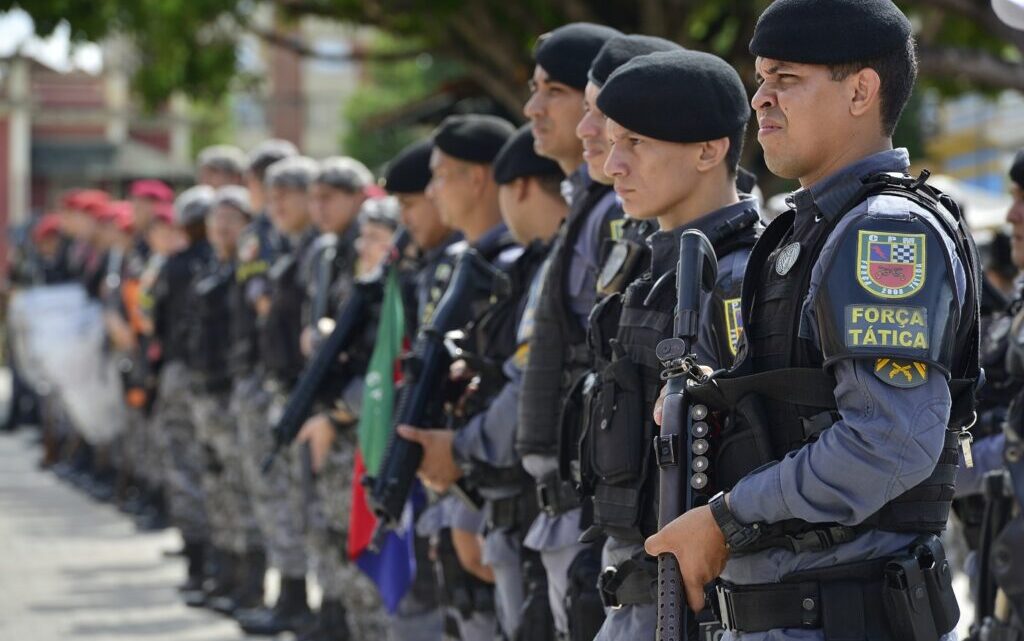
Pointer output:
73, 569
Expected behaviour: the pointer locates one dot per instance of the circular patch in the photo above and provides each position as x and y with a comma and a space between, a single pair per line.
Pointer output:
787, 258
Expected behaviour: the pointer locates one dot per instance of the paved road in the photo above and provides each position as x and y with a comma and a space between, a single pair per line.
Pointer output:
72, 569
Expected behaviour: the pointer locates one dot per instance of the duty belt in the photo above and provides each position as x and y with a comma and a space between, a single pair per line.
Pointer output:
555, 496
839, 600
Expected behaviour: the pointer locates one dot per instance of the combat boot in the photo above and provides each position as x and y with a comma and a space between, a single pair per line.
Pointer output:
250, 573
220, 582
330, 625
290, 613
195, 556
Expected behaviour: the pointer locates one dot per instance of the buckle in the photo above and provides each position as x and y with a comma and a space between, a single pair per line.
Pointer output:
722, 606
608, 583
544, 498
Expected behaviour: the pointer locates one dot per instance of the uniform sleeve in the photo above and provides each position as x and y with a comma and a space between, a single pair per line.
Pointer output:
892, 424
489, 436
888, 441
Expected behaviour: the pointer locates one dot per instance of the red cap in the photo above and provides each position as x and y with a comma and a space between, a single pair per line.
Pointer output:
374, 191
48, 225
163, 213
91, 201
154, 189
115, 212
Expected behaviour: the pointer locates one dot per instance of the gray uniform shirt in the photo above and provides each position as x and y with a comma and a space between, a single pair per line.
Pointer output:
887, 442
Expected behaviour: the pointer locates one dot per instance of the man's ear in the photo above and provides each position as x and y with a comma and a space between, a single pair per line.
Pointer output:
523, 187
712, 154
864, 87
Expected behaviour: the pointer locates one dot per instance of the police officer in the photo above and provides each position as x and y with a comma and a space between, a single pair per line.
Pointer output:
986, 496
482, 450
462, 188
558, 351
673, 158
220, 165
860, 321
258, 246
281, 322
406, 178
338, 194
238, 582
168, 307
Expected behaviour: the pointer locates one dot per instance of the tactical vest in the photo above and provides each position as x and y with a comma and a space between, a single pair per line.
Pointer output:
210, 341
616, 461
495, 335
172, 299
558, 349
281, 328
257, 249
786, 398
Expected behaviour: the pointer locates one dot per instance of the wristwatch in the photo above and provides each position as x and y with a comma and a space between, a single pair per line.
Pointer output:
737, 535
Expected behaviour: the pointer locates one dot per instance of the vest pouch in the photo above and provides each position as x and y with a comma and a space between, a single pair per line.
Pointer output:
573, 426
616, 432
743, 445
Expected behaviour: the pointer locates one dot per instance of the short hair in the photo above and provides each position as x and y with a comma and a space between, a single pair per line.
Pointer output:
897, 71
234, 196
294, 172
550, 183
344, 173
732, 157
267, 153
224, 158
380, 211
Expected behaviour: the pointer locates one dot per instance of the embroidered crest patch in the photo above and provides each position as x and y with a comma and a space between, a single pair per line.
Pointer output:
903, 374
734, 323
890, 265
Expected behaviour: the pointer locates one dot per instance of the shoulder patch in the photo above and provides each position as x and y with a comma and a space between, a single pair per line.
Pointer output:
890, 265
249, 250
615, 228
733, 323
902, 374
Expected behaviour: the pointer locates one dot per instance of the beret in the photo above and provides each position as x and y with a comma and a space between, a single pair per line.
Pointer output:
409, 171
294, 172
567, 52
88, 200
234, 196
380, 211
472, 137
829, 32
344, 172
154, 189
677, 96
226, 158
1017, 169
47, 225
620, 50
192, 205
267, 153
517, 159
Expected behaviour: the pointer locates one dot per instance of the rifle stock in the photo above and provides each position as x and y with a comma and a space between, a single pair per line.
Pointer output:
682, 424
349, 322
420, 402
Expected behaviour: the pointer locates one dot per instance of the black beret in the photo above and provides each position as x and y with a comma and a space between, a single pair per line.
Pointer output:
517, 159
409, 171
677, 96
829, 32
567, 52
1017, 169
620, 50
473, 137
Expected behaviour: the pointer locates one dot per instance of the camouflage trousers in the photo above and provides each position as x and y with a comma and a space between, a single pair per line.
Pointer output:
281, 530
327, 520
233, 524
182, 453
142, 448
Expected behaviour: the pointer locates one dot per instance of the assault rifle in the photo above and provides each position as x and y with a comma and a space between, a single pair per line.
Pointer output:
683, 440
421, 401
348, 325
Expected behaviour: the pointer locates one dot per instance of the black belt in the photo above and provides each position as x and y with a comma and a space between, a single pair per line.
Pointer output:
556, 496
512, 512
628, 583
845, 598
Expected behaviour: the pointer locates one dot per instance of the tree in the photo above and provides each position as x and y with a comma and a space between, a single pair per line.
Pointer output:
188, 45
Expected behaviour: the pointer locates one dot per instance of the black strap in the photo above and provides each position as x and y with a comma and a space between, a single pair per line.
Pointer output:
808, 386
631, 582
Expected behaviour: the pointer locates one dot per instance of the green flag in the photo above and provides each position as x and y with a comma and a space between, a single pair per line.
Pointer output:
379, 384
